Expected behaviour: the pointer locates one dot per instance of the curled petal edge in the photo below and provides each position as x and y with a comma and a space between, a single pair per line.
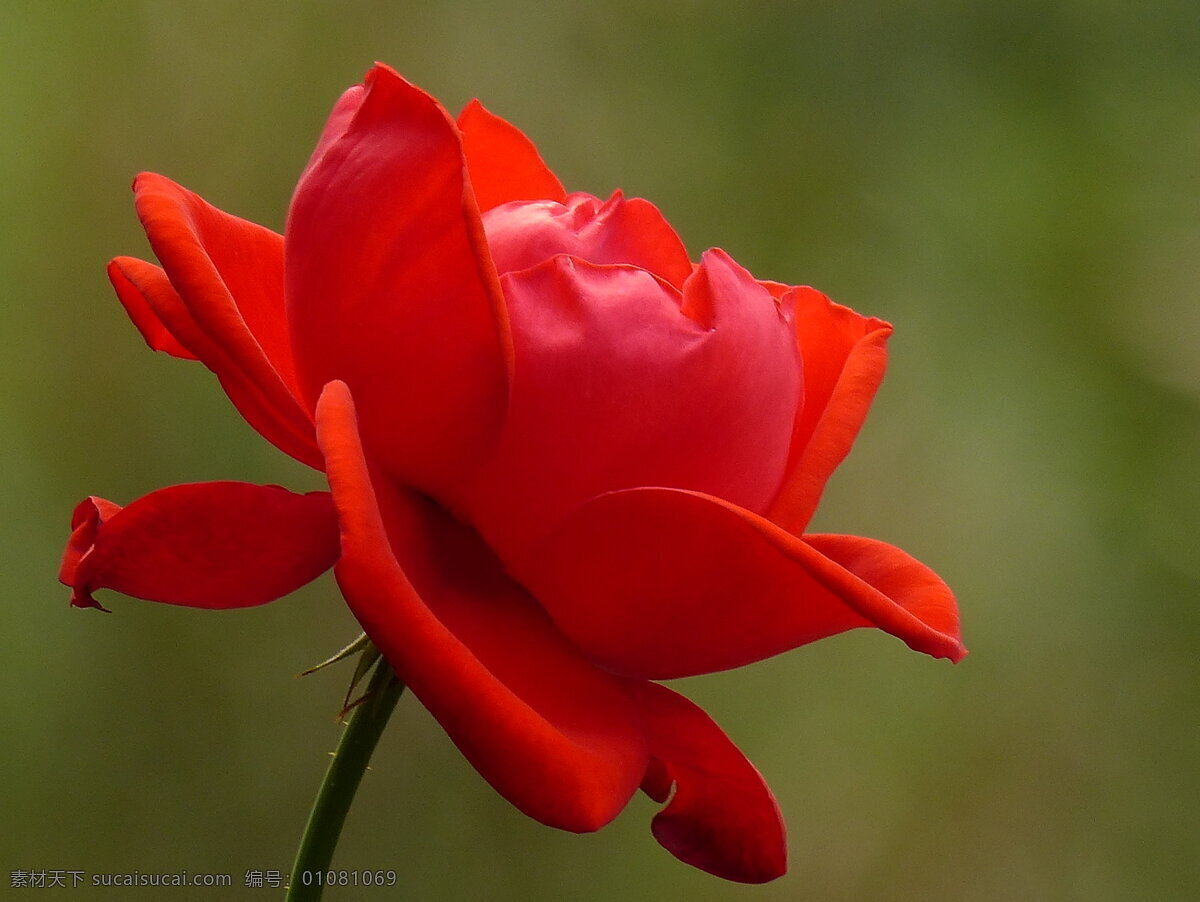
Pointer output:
845, 355
720, 816
659, 583
552, 734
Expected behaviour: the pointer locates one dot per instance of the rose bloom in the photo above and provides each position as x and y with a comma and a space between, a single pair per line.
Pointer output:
565, 462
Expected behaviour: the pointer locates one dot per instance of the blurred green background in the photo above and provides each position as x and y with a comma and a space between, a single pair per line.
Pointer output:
1014, 185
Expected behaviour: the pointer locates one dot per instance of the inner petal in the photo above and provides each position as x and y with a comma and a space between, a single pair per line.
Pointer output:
522, 234
615, 386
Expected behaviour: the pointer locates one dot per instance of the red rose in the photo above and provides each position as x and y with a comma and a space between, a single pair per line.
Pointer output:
565, 461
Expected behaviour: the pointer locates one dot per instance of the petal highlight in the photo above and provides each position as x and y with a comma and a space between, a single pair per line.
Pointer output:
554, 735
204, 545
659, 583
722, 817
390, 287
503, 163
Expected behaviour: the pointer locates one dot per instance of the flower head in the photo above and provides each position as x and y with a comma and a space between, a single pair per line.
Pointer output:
565, 461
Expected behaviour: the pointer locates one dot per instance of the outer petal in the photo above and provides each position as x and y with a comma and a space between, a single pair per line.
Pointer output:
722, 817
89, 517
616, 386
340, 118
153, 281
390, 287
844, 358
205, 545
554, 735
504, 164
228, 270
659, 583
224, 304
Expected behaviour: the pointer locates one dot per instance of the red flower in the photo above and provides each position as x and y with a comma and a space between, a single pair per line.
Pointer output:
564, 460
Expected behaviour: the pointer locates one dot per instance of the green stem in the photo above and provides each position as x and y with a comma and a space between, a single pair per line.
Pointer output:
341, 781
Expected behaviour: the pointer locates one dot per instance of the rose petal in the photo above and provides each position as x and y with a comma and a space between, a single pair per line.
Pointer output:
722, 817
844, 358
224, 304
229, 272
335, 127
659, 583
153, 280
555, 736
522, 235
616, 386
503, 163
205, 545
89, 517
390, 287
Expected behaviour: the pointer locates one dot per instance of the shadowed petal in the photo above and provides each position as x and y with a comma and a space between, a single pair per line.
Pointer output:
659, 583
204, 545
503, 163
722, 817
390, 287
554, 735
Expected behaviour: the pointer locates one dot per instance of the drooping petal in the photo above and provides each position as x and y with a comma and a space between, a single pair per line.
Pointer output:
503, 163
722, 817
204, 545
153, 280
390, 287
617, 386
554, 735
229, 272
524, 234
224, 304
844, 355
868, 563
659, 583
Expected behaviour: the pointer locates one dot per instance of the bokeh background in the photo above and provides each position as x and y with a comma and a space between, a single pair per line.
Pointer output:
1014, 185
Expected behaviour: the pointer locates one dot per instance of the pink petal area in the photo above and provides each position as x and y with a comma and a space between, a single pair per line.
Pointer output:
845, 355
555, 736
204, 545
722, 817
389, 285
522, 235
503, 163
615, 387
658, 583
